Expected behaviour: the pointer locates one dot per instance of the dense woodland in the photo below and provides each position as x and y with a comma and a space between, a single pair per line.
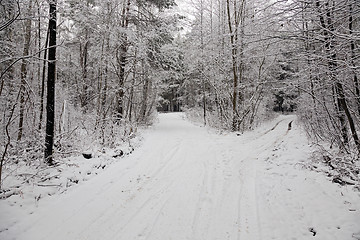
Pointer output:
75, 73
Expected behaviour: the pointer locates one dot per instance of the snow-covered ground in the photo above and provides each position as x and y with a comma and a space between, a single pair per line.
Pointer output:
188, 182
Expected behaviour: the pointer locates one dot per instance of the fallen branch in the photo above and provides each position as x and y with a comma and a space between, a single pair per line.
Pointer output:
8, 194
47, 185
342, 182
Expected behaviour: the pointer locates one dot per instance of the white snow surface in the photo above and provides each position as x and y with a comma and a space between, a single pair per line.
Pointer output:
189, 182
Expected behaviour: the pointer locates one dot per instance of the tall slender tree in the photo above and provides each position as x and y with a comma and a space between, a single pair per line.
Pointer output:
50, 104
24, 71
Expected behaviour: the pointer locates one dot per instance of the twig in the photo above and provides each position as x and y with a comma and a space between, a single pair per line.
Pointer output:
8, 137
33, 175
9, 194
48, 185
8, 23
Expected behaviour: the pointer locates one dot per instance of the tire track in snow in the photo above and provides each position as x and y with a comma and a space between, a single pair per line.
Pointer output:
248, 218
251, 188
116, 211
201, 202
136, 191
168, 157
160, 212
186, 184
273, 128
153, 201
153, 181
223, 214
170, 170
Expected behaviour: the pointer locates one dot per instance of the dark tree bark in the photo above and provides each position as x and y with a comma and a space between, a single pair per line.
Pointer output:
328, 31
84, 49
344, 106
237, 48
201, 65
233, 37
120, 92
145, 93
121, 59
42, 87
131, 97
24, 73
50, 105
353, 56
103, 84
8, 138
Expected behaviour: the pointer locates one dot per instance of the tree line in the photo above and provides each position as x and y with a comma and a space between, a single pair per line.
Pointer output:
72, 68
249, 58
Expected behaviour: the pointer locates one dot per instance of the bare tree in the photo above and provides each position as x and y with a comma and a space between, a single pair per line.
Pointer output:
24, 72
50, 103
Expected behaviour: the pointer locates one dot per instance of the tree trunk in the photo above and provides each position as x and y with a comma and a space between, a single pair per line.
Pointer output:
84, 71
131, 97
8, 138
145, 95
42, 88
39, 43
332, 63
241, 23
103, 85
24, 72
331, 56
120, 91
344, 106
50, 105
353, 57
234, 66
201, 65
121, 59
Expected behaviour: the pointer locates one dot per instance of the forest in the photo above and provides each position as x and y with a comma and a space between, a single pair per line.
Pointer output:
76, 74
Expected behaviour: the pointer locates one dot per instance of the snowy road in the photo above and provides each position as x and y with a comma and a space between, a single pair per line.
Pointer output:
187, 182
